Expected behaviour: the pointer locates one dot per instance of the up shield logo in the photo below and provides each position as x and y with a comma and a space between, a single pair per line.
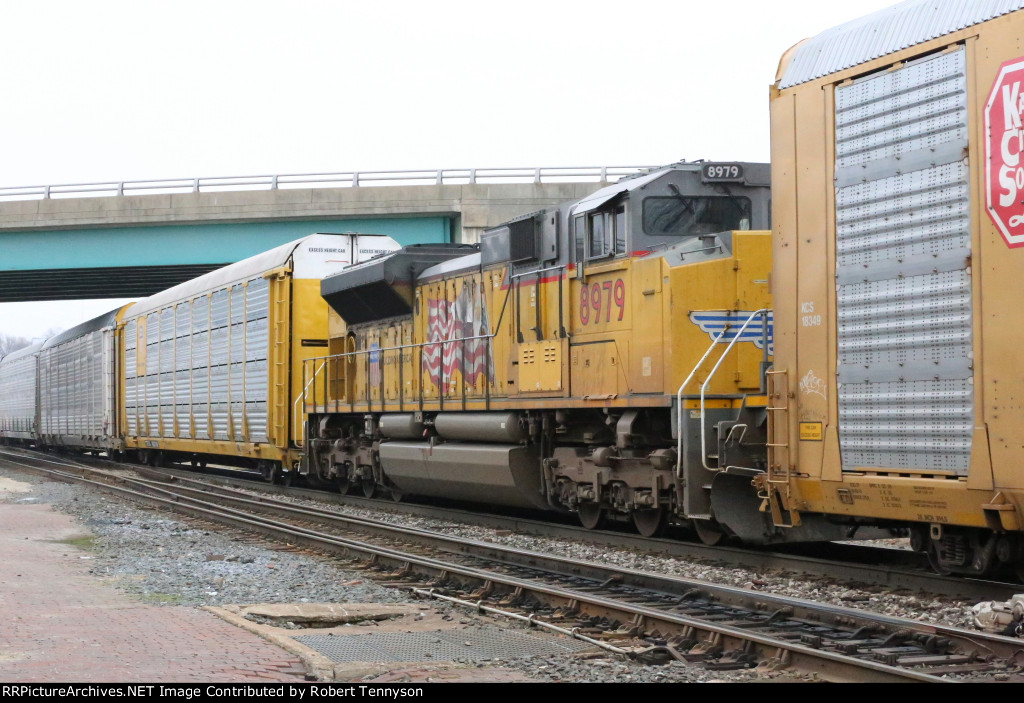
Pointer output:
713, 322
1004, 144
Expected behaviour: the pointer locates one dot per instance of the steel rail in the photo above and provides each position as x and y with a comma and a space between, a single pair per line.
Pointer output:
845, 667
888, 567
893, 568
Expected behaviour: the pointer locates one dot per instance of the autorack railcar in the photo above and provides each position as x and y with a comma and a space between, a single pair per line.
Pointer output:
78, 388
208, 370
19, 396
212, 368
897, 185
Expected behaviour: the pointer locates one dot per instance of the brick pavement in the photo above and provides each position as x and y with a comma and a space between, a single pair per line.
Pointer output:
58, 623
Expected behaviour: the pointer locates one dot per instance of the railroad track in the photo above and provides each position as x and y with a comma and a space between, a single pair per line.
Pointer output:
878, 566
643, 616
861, 563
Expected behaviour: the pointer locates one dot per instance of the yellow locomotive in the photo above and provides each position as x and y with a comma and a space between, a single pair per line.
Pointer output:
604, 357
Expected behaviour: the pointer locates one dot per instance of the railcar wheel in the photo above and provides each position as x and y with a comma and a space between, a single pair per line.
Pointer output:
396, 495
650, 522
343, 485
591, 515
709, 531
268, 471
369, 487
935, 563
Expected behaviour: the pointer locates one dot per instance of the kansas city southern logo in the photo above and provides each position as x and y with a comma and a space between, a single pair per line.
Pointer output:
1004, 145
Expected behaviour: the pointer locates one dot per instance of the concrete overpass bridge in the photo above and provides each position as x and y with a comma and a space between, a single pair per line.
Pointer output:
134, 238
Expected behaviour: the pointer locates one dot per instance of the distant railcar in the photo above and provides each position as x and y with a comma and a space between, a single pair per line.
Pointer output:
77, 372
19, 396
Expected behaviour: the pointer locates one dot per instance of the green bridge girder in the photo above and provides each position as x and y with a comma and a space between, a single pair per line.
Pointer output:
135, 261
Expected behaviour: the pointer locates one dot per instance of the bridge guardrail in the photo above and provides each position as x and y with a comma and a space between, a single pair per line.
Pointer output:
345, 179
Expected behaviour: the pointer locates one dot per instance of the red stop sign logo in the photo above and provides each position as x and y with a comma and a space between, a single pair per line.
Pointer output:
1004, 152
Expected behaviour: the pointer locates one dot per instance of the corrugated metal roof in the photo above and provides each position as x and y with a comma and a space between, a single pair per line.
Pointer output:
886, 31
24, 351
232, 273
107, 319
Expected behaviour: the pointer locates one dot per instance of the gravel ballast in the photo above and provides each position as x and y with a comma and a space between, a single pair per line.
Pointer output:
161, 559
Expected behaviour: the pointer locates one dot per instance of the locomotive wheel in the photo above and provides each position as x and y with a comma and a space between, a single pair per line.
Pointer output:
396, 495
591, 515
709, 531
651, 522
314, 481
369, 487
343, 485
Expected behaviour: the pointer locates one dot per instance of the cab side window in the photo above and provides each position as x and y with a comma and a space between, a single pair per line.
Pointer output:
599, 235
579, 229
618, 222
598, 242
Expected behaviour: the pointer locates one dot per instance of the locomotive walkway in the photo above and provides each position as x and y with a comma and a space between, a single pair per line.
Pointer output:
63, 625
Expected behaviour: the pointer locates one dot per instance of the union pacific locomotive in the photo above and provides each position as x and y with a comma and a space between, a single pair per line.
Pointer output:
605, 357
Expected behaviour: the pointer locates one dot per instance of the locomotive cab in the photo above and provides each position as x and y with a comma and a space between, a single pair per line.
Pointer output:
660, 210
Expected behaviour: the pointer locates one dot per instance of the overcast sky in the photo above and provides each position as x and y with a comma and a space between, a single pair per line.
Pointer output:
135, 90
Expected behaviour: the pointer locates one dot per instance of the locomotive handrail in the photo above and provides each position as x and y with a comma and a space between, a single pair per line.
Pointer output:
534, 272
351, 179
300, 436
679, 403
703, 388
301, 397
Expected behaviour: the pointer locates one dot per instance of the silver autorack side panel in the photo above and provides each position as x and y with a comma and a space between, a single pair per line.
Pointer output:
77, 403
903, 283
19, 391
205, 367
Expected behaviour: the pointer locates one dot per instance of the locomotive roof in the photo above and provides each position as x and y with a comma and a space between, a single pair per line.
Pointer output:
462, 263
382, 286
884, 32
600, 197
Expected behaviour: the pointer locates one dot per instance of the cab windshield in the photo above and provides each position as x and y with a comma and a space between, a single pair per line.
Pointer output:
682, 215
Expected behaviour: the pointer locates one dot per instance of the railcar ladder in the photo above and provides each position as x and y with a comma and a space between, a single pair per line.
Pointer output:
279, 359
776, 487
